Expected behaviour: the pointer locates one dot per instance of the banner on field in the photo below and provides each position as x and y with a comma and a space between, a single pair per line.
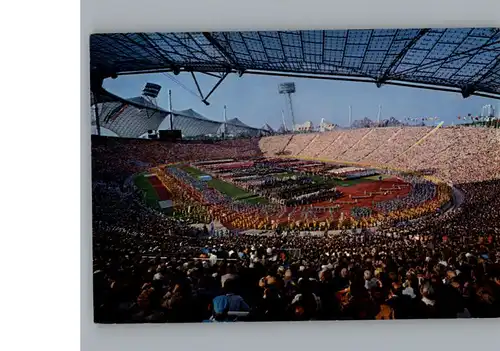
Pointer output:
205, 178
166, 204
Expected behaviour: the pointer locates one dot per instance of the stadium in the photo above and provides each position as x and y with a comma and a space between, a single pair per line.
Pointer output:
196, 219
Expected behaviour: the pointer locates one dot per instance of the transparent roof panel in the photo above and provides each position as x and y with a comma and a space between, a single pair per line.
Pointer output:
454, 57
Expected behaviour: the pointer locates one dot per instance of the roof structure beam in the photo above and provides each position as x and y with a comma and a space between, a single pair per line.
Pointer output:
495, 65
323, 46
158, 51
144, 47
215, 87
201, 50
175, 51
282, 46
450, 58
264, 51
211, 74
403, 52
197, 85
461, 43
246, 45
363, 79
344, 49
223, 51
372, 34
190, 49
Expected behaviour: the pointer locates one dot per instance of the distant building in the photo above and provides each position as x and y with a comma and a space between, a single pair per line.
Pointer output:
307, 126
326, 126
368, 123
488, 111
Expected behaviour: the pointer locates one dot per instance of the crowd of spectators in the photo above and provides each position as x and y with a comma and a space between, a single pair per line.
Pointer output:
148, 267
440, 268
450, 151
212, 196
421, 191
361, 212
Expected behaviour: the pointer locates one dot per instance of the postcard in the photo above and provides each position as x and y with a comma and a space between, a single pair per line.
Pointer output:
295, 175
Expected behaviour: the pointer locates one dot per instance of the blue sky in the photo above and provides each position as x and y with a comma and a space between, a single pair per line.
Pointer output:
255, 99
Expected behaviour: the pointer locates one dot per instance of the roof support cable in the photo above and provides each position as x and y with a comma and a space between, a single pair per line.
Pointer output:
213, 89
180, 84
197, 85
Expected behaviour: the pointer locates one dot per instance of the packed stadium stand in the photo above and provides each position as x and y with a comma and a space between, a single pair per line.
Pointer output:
456, 154
449, 151
321, 143
298, 142
371, 142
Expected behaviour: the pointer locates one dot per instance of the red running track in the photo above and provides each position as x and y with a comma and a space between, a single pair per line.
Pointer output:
354, 190
161, 191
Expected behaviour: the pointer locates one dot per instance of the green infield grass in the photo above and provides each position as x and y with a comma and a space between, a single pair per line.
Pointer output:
149, 192
242, 195
226, 188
